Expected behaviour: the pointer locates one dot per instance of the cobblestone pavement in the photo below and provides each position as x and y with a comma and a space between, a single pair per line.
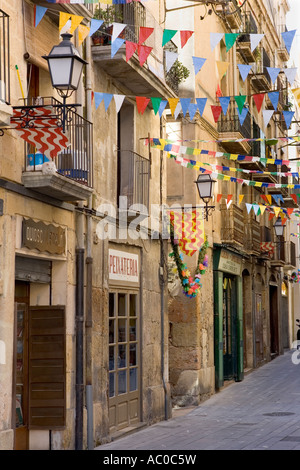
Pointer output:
260, 413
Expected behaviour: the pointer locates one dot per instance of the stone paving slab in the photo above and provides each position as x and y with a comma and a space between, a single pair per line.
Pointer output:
260, 413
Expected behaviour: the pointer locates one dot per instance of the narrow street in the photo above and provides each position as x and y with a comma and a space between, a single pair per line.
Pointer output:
260, 413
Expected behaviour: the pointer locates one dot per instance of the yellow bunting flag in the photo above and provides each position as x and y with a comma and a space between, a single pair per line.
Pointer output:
173, 103
269, 197
75, 22
222, 68
296, 92
276, 210
262, 209
241, 197
63, 19
83, 32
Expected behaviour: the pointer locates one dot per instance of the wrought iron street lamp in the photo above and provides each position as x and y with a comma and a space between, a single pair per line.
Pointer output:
279, 228
205, 189
65, 67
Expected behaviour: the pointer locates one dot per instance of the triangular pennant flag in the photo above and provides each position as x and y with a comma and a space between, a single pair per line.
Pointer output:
131, 47
262, 209
230, 39
276, 210
244, 70
117, 30
241, 197
258, 100
267, 114
145, 32
288, 37
144, 52
294, 197
271, 215
177, 110
119, 101
228, 204
296, 93
75, 22
264, 197
240, 101
216, 111
229, 197
215, 38
95, 25
83, 32
219, 197
38, 14
162, 106
63, 19
201, 102
255, 208
269, 198
107, 99
198, 64
185, 102
142, 103
273, 72
156, 104
224, 102
289, 210
173, 103
290, 74
115, 46
249, 207
277, 198
185, 36
98, 98
274, 97
288, 116
222, 68
242, 115
219, 91
255, 40
192, 110
171, 58
168, 34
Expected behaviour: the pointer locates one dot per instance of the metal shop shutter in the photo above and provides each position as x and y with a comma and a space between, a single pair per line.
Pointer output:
33, 270
47, 367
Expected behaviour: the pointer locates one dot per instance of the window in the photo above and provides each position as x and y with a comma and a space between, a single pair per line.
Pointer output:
4, 58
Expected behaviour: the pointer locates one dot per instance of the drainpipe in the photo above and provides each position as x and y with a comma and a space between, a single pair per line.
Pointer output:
79, 318
89, 277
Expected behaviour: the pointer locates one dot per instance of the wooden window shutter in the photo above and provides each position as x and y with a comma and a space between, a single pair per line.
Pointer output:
47, 367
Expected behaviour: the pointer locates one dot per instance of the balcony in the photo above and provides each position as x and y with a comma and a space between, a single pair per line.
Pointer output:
282, 51
252, 236
147, 80
232, 225
68, 175
133, 179
243, 42
290, 256
5, 109
260, 78
229, 127
279, 257
235, 18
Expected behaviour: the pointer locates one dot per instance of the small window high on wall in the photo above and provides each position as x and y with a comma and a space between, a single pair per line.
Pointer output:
4, 58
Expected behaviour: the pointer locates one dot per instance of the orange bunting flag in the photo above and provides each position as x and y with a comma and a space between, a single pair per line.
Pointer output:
289, 210
145, 33
229, 197
241, 197
173, 104
294, 197
271, 215
185, 36
131, 47
219, 197
142, 103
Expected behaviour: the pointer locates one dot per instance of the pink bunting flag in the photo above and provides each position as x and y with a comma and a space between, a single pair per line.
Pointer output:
142, 103
130, 49
143, 51
145, 33
185, 36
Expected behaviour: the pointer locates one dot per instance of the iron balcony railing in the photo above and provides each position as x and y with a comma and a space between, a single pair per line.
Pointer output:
76, 160
249, 27
262, 61
231, 122
133, 178
4, 58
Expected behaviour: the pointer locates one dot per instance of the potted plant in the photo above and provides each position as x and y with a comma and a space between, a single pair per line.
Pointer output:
109, 15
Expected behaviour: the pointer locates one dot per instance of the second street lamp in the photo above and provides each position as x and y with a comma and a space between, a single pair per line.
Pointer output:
205, 189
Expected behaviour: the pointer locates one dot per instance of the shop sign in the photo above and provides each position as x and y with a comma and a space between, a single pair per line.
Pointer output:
123, 266
43, 237
229, 265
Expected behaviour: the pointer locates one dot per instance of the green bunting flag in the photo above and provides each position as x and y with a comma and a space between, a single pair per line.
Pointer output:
240, 101
168, 34
230, 39
156, 104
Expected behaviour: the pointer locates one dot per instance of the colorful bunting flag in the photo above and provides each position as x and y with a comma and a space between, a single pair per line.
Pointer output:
145, 32
173, 103
83, 32
224, 102
296, 93
185, 102
75, 22
273, 72
267, 114
255, 40
162, 106
216, 111
274, 98
185, 36
290, 74
168, 34
258, 100
142, 103
131, 47
192, 110
119, 101
288, 37
38, 14
117, 30
156, 104
198, 63
240, 101
201, 102
171, 58
215, 38
230, 39
244, 70
288, 116
95, 25
63, 19
115, 46
242, 115
143, 52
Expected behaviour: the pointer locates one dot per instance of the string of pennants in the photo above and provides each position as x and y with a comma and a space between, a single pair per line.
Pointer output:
185, 105
219, 176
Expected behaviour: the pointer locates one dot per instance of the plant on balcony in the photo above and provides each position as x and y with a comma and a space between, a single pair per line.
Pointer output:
109, 15
179, 72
